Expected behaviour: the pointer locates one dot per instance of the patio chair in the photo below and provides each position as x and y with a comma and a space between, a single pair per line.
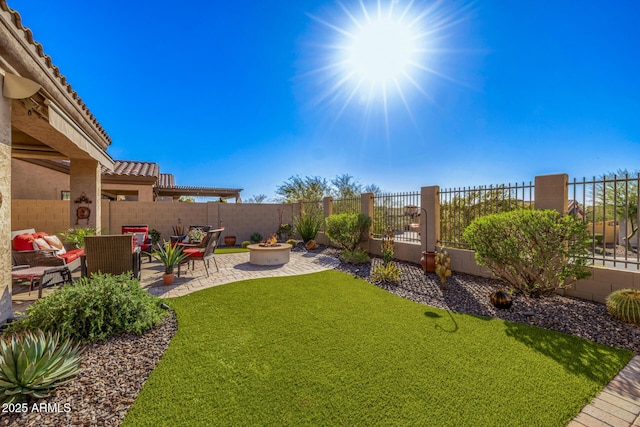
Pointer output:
113, 254
204, 251
142, 237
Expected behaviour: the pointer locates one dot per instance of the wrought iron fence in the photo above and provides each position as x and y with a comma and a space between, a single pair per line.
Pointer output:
346, 206
609, 206
460, 206
400, 212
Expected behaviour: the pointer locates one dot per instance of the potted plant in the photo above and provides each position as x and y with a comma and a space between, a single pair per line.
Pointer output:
308, 225
179, 232
170, 256
195, 235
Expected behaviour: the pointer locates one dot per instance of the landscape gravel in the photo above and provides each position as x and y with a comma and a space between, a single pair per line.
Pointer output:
113, 372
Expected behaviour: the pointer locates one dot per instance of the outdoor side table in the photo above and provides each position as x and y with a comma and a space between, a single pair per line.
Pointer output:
36, 274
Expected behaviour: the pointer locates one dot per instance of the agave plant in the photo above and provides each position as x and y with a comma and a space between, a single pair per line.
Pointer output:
32, 365
170, 256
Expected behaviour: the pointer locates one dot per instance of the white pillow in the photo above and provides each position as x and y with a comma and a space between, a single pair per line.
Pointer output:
40, 244
55, 244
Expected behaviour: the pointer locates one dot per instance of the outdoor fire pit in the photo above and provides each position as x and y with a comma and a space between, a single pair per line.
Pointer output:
269, 255
269, 252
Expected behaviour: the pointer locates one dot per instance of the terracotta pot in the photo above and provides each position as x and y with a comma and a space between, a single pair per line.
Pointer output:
501, 299
167, 278
229, 240
428, 262
311, 245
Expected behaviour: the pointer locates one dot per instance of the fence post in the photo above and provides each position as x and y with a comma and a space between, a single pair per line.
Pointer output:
552, 192
430, 227
327, 206
366, 208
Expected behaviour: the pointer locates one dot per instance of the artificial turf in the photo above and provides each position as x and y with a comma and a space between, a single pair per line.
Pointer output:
329, 349
220, 251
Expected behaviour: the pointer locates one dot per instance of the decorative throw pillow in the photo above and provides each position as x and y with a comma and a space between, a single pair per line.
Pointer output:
56, 244
41, 244
23, 242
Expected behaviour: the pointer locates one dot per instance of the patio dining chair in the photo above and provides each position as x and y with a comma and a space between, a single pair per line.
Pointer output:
113, 254
204, 251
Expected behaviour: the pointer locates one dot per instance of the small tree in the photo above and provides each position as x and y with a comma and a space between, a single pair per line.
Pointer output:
536, 251
348, 230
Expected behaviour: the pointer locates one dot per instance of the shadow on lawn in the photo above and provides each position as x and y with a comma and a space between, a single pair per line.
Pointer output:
434, 315
577, 355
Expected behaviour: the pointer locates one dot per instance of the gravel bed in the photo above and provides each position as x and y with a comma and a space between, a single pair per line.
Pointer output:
470, 294
112, 375
114, 371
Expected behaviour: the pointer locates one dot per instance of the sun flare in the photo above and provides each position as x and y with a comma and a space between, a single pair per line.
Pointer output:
380, 53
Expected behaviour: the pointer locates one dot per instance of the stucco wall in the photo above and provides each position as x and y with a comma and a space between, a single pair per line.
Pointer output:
35, 182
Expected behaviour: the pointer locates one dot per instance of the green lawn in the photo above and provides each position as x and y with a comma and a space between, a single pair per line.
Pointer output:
220, 251
328, 349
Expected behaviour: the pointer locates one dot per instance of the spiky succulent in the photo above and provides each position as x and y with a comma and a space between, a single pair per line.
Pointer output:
32, 365
624, 305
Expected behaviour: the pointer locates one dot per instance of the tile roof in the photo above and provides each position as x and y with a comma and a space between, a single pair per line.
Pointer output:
133, 168
166, 180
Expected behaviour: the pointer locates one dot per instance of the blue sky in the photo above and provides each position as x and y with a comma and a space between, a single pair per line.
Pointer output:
238, 94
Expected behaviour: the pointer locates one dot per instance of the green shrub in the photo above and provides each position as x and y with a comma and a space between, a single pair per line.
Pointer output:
624, 305
93, 309
356, 256
245, 244
292, 242
385, 273
32, 365
76, 235
308, 225
256, 237
348, 230
536, 251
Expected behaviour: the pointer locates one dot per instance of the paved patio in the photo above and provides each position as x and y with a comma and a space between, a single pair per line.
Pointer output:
618, 405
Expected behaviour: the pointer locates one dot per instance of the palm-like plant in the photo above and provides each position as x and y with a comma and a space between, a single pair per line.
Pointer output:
170, 256
32, 365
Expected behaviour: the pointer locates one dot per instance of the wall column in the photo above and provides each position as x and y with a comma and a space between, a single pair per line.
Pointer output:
85, 178
327, 206
5, 207
366, 208
430, 227
552, 192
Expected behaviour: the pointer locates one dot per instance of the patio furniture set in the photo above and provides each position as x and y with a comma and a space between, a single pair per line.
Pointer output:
43, 260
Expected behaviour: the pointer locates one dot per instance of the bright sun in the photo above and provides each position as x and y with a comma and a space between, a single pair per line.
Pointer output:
379, 53
381, 50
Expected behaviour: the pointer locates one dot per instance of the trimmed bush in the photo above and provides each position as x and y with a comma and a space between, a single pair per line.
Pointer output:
93, 309
385, 273
292, 242
245, 244
348, 230
536, 251
624, 305
33, 364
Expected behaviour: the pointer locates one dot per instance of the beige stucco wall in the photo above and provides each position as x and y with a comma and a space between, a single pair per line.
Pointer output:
50, 216
5, 223
31, 181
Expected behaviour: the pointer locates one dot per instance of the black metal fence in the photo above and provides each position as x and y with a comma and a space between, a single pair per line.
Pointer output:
400, 212
346, 206
610, 207
460, 206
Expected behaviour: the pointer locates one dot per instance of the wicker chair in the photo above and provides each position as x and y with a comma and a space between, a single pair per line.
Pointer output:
113, 254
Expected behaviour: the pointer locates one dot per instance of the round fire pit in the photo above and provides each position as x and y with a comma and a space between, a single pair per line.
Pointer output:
269, 255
